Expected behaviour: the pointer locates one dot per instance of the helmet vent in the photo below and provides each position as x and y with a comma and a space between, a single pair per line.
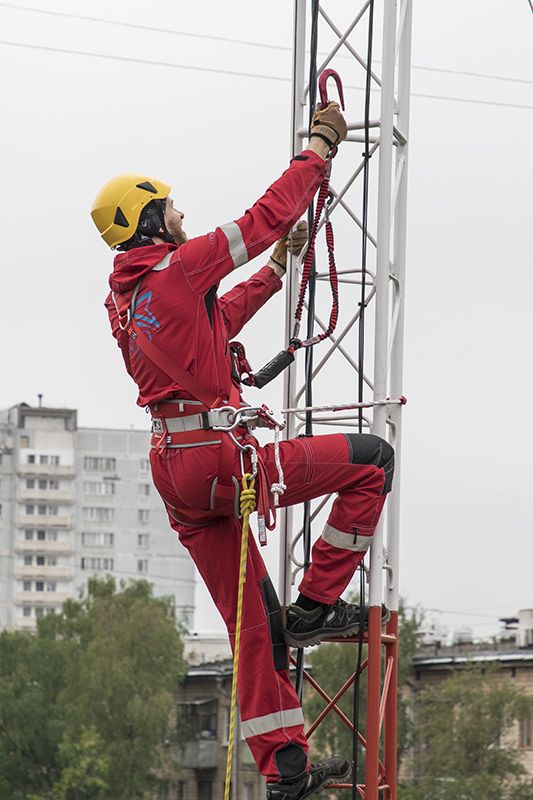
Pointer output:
120, 219
148, 186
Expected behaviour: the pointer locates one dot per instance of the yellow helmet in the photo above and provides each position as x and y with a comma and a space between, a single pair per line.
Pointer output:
118, 205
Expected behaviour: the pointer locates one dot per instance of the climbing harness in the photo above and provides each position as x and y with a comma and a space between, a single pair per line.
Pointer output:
247, 506
283, 359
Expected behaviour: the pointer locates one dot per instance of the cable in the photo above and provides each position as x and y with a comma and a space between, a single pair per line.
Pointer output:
230, 40
360, 376
150, 62
310, 323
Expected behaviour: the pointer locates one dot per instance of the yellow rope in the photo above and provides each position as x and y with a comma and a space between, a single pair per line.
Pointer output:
247, 506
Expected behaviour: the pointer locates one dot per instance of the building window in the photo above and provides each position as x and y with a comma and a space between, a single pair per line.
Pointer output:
31, 459
39, 612
50, 610
43, 459
144, 516
29, 509
28, 561
205, 790
42, 484
24, 441
39, 560
53, 511
99, 463
145, 464
97, 564
525, 733
105, 488
182, 790
28, 535
144, 489
30, 483
97, 539
26, 586
142, 565
54, 460
26, 611
41, 536
51, 586
39, 586
143, 539
52, 535
41, 510
94, 514
54, 485
51, 561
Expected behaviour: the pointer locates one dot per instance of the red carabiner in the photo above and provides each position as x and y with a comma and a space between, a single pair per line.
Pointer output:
323, 89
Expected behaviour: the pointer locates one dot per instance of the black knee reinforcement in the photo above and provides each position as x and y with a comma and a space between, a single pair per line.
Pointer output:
291, 761
366, 448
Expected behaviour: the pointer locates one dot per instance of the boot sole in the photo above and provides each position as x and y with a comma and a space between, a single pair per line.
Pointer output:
316, 638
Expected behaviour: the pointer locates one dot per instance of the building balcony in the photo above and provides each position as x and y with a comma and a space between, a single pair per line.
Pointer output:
201, 754
52, 470
41, 598
36, 546
44, 521
45, 572
45, 496
26, 624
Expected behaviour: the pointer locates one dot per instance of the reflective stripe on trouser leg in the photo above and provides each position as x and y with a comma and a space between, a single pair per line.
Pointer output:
358, 541
272, 722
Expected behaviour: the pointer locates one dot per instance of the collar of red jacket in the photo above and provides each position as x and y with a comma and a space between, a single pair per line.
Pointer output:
130, 266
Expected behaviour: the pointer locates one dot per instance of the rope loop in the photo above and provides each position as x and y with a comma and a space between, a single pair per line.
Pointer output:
248, 495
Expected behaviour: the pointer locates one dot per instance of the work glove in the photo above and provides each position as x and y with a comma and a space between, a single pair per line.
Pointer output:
329, 124
293, 243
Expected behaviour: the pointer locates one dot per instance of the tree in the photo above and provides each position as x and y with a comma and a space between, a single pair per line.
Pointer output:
332, 664
90, 696
84, 770
461, 750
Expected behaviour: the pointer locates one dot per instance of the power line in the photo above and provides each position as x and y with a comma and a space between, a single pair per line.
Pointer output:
150, 62
230, 40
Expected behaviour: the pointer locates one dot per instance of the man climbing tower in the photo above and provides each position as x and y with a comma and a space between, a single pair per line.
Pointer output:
174, 333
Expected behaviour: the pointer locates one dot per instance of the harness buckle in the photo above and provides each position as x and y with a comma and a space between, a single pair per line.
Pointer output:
158, 426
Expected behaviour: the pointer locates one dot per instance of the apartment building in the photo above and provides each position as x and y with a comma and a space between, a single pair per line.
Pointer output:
77, 502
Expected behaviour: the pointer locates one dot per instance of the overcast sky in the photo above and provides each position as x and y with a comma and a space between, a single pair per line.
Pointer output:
72, 121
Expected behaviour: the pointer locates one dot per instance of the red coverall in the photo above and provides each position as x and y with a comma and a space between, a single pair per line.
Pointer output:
177, 307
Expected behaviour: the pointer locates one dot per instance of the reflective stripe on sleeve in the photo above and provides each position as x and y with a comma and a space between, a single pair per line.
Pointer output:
163, 264
237, 248
272, 722
346, 541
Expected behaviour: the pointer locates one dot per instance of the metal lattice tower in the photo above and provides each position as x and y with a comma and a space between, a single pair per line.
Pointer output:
335, 371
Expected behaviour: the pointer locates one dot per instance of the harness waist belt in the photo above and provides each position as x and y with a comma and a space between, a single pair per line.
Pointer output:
192, 422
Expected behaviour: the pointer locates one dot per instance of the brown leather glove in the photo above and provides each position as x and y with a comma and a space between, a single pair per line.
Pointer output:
293, 243
329, 124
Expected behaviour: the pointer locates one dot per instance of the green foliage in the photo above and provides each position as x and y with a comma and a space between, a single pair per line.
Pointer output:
84, 770
85, 704
460, 744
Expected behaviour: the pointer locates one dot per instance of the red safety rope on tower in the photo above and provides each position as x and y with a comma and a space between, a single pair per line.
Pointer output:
286, 357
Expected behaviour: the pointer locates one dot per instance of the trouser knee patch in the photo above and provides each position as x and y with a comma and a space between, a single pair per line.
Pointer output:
280, 651
291, 760
367, 448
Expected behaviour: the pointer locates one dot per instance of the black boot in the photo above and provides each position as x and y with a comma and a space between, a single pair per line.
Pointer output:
331, 770
306, 628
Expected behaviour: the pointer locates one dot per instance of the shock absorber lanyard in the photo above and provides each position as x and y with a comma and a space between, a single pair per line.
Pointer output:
283, 359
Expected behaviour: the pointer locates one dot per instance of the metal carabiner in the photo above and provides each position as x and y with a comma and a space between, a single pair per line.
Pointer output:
323, 89
253, 457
